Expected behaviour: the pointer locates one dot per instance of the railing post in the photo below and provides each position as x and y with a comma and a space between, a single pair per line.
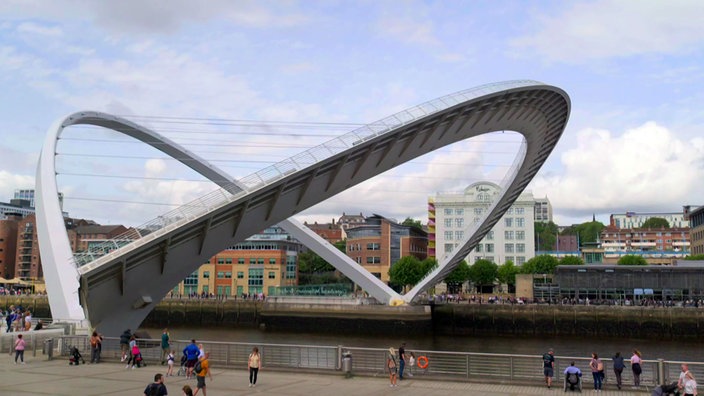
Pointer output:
338, 365
661, 372
511, 369
34, 345
468, 366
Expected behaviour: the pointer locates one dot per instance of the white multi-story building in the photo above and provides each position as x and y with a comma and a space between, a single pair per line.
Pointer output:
543, 210
451, 216
636, 220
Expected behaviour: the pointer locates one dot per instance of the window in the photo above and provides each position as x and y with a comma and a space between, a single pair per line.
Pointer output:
448, 223
459, 222
509, 211
459, 212
240, 261
256, 278
272, 261
520, 260
490, 236
520, 211
221, 261
459, 235
228, 261
478, 211
520, 248
260, 261
221, 274
521, 235
480, 248
508, 247
228, 275
520, 222
448, 235
508, 222
490, 258
490, 248
252, 261
240, 274
510, 258
373, 246
206, 274
508, 235
272, 275
373, 260
449, 247
448, 212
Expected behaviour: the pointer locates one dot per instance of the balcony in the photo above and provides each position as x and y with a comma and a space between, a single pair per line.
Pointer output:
642, 244
680, 243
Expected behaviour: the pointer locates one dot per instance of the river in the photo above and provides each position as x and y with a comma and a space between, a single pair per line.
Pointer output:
563, 346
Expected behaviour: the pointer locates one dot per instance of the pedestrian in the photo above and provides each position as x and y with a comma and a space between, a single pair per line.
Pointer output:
95, 347
683, 376
618, 368
254, 363
187, 391
136, 356
39, 326
548, 366
170, 362
19, 349
401, 360
597, 367
132, 358
28, 321
391, 366
411, 363
125, 344
165, 346
635, 366
690, 385
156, 388
191, 352
200, 375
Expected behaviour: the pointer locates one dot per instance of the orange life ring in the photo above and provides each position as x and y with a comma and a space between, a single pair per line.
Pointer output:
422, 362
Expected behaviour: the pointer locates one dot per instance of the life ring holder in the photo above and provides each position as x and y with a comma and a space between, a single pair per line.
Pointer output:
422, 362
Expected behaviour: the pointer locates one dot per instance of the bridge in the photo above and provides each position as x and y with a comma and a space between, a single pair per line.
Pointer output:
116, 285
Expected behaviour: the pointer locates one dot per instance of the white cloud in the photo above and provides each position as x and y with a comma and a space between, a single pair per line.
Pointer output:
33, 28
645, 168
615, 29
10, 182
407, 30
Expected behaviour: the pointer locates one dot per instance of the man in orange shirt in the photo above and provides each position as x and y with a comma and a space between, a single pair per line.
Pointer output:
200, 376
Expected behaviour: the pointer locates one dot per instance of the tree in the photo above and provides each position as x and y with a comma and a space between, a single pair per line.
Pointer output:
696, 257
483, 272
457, 277
631, 259
545, 235
587, 232
428, 265
406, 271
506, 273
571, 260
656, 222
409, 222
543, 264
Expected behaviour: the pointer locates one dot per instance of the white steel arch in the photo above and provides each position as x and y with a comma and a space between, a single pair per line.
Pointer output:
117, 280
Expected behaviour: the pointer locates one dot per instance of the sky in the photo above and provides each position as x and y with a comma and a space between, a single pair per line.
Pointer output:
248, 83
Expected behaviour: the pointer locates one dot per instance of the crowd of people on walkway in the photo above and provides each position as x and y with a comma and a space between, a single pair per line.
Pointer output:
18, 319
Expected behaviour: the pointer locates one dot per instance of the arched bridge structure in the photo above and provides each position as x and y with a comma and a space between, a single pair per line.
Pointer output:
116, 285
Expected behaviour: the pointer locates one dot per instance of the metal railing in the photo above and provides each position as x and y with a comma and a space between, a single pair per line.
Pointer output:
461, 366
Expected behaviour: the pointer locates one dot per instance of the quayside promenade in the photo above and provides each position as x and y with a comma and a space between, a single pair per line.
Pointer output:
42, 377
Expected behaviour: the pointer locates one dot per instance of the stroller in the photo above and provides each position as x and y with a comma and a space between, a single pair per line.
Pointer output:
666, 390
182, 368
75, 356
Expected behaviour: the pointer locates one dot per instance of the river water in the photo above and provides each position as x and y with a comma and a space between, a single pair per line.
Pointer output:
563, 346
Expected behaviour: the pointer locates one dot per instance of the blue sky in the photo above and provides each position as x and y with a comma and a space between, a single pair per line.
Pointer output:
632, 69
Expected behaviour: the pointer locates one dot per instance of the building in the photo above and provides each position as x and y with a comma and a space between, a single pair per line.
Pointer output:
543, 210
696, 219
331, 232
84, 237
347, 221
381, 242
27, 259
451, 216
657, 246
636, 220
15, 207
8, 245
28, 195
260, 264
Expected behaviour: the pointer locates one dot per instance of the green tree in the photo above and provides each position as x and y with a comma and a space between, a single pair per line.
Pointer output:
571, 260
428, 265
545, 235
656, 222
409, 222
696, 257
457, 277
587, 232
483, 272
506, 273
406, 271
631, 259
543, 264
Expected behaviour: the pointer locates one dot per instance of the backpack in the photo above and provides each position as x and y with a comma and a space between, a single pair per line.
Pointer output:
198, 368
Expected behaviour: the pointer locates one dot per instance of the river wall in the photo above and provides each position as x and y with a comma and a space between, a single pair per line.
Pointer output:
448, 319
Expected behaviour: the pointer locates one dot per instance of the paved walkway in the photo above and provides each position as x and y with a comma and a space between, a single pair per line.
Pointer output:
57, 378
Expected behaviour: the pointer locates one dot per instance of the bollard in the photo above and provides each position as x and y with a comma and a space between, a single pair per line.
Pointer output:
49, 348
347, 364
661, 371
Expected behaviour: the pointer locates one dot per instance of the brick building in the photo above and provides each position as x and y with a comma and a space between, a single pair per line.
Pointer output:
8, 245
